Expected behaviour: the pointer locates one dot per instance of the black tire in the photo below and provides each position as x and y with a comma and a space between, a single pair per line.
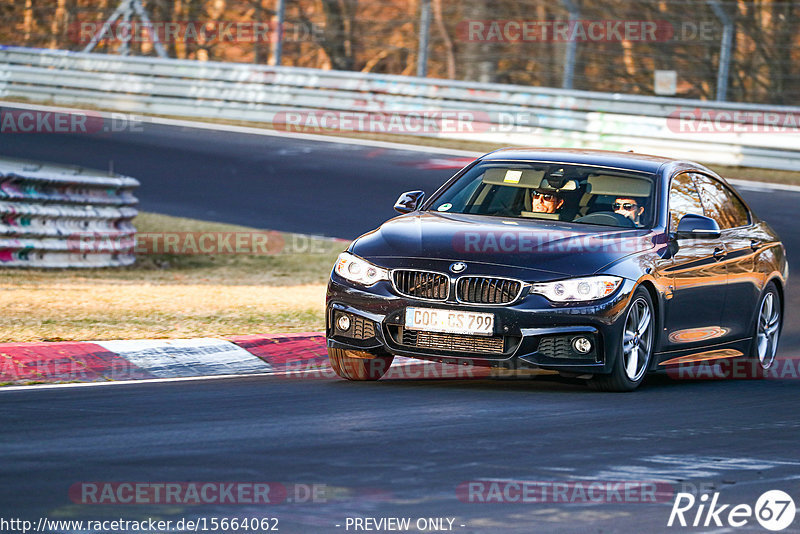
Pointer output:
628, 374
766, 331
353, 365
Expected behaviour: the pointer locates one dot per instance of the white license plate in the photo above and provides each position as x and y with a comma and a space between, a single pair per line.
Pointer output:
450, 321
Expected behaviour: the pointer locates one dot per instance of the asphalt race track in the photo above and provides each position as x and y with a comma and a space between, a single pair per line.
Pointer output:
396, 448
401, 448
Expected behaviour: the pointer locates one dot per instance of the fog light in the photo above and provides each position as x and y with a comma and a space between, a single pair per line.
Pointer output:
343, 322
582, 345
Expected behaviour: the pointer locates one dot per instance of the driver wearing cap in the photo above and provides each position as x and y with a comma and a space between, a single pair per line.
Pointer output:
545, 202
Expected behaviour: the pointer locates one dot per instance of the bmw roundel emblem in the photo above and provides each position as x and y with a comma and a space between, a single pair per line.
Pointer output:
458, 267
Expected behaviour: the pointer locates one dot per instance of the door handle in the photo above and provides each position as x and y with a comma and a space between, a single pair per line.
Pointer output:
755, 244
719, 253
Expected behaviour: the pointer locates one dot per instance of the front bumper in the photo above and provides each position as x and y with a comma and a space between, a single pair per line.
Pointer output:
531, 333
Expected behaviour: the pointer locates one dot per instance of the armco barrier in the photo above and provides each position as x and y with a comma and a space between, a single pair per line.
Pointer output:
712, 132
54, 216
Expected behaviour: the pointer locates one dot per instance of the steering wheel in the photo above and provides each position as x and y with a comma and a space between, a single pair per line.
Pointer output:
607, 218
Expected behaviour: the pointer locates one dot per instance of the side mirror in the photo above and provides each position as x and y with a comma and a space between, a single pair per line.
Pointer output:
409, 201
697, 227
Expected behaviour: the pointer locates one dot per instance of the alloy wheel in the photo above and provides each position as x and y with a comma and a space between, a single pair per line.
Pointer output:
769, 323
637, 340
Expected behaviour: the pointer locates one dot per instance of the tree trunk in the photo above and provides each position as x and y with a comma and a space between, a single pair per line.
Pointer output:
478, 60
337, 41
27, 22
450, 54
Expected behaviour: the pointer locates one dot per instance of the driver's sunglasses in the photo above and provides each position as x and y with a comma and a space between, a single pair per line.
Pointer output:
547, 197
628, 206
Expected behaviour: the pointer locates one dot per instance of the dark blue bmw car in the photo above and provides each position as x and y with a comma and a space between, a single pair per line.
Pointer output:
599, 265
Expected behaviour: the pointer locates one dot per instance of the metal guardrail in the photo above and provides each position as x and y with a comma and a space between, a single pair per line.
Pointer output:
506, 114
54, 217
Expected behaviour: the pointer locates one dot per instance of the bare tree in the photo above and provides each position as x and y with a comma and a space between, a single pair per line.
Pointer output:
338, 38
477, 57
450, 54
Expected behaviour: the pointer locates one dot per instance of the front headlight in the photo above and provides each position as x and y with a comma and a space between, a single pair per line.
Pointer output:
578, 289
359, 271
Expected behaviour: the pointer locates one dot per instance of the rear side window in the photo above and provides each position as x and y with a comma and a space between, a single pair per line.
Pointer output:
721, 204
683, 200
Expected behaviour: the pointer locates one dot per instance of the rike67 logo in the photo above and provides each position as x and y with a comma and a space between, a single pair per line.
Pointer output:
774, 510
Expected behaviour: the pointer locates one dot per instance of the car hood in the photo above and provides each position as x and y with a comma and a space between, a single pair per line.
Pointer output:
539, 246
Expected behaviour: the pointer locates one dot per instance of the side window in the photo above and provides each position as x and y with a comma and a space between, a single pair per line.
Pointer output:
721, 204
493, 199
465, 197
503, 199
683, 199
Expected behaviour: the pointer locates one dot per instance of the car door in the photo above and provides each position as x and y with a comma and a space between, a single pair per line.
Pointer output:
733, 217
693, 311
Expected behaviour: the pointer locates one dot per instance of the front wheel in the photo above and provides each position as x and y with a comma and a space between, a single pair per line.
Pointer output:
354, 365
636, 348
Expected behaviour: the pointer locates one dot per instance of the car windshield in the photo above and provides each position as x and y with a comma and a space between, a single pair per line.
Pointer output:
552, 191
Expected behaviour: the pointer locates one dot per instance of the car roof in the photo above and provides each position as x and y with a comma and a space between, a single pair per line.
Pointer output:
604, 158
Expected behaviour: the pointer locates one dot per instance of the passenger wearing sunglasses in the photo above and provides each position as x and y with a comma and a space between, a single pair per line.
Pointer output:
545, 202
629, 208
